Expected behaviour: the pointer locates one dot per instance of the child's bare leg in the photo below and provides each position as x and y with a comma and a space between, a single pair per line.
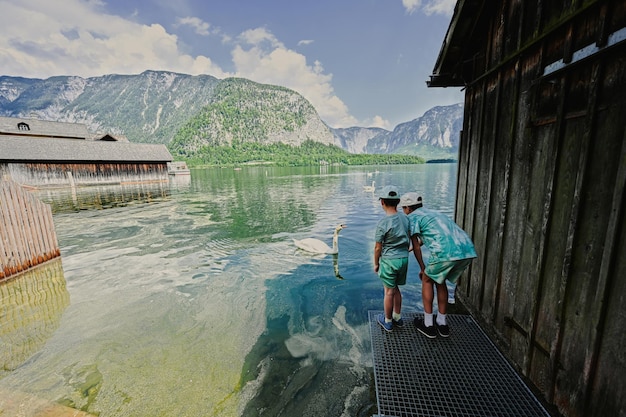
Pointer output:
442, 298
388, 302
427, 293
397, 301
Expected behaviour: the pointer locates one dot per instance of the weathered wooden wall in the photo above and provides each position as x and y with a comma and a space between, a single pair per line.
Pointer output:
83, 174
542, 168
27, 234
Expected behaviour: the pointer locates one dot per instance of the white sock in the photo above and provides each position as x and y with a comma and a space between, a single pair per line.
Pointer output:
387, 320
428, 319
441, 319
396, 316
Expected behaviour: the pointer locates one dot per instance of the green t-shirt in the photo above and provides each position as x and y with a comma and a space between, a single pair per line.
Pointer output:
445, 240
393, 232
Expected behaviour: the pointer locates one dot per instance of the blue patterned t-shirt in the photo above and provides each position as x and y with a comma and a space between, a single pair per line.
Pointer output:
445, 240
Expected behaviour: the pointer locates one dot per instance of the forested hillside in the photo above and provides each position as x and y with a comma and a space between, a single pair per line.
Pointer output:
199, 117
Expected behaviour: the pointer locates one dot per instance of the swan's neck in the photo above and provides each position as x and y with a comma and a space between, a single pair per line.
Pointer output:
335, 240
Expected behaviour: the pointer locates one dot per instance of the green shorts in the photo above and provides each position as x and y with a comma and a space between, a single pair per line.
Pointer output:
447, 270
393, 271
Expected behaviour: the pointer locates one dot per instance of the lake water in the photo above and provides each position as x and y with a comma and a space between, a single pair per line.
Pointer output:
192, 300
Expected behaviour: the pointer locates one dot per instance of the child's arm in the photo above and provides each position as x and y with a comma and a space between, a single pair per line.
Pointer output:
417, 251
378, 250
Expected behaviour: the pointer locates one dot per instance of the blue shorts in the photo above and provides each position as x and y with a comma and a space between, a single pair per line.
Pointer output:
447, 270
393, 271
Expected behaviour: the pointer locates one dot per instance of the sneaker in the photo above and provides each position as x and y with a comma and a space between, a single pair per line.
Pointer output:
430, 331
444, 330
399, 323
387, 326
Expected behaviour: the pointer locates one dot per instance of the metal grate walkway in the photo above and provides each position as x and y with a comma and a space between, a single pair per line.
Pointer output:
460, 376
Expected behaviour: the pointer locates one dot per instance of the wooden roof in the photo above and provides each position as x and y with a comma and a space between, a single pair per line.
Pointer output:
465, 34
42, 128
40, 141
52, 150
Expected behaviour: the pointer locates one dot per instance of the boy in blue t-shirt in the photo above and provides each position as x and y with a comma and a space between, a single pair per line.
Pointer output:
391, 256
451, 252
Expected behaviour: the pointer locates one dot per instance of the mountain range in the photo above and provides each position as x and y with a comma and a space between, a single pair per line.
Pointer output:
188, 112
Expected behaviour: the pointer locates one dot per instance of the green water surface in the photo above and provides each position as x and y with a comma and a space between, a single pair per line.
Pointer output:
190, 298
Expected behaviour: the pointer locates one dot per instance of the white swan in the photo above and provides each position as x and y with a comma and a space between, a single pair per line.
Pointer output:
370, 187
317, 246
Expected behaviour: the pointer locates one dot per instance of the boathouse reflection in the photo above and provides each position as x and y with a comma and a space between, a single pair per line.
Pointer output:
32, 306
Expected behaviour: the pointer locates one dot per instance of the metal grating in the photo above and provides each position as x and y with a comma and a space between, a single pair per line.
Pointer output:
463, 375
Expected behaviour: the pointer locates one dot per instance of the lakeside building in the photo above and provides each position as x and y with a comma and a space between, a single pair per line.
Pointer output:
40, 154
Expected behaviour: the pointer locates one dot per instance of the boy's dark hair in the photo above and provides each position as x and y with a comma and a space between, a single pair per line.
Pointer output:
390, 202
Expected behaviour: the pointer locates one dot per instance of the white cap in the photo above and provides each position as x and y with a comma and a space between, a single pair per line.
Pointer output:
410, 199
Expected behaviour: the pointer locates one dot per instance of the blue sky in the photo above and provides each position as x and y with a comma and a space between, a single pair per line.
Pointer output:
359, 62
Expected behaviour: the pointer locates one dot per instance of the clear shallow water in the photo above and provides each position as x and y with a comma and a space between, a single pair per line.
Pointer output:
191, 300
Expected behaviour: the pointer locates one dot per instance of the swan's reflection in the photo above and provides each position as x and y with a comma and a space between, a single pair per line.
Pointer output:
336, 266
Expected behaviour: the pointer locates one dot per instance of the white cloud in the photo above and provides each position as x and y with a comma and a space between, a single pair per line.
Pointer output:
41, 39
200, 27
305, 42
444, 7
378, 121
73, 37
262, 58
411, 5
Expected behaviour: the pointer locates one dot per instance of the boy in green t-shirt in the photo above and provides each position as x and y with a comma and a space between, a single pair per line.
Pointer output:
451, 252
391, 256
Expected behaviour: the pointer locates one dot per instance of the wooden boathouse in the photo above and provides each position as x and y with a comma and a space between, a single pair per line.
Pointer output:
542, 168
37, 153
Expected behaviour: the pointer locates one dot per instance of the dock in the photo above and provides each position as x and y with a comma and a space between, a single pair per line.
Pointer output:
460, 376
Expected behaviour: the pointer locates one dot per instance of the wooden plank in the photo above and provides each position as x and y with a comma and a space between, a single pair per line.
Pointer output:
486, 181
51, 235
5, 241
39, 228
19, 217
43, 229
14, 246
514, 270
544, 164
28, 227
472, 288
566, 280
501, 186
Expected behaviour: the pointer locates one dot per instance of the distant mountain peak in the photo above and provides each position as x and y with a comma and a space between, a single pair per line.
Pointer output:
158, 106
